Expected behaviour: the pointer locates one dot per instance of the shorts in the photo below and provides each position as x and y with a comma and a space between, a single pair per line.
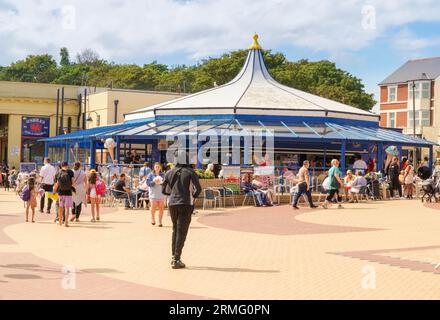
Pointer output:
93, 193
157, 201
66, 201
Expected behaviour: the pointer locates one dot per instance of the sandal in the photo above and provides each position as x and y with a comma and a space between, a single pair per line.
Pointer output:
153, 223
160, 225
97, 218
92, 220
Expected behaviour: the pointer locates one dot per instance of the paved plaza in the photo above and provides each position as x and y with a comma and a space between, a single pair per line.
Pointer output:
374, 250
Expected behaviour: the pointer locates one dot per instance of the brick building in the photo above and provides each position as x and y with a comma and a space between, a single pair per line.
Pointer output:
421, 77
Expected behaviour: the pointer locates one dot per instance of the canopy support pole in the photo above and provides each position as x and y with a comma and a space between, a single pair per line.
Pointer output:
118, 149
431, 154
379, 156
46, 149
343, 147
66, 154
155, 151
199, 150
92, 154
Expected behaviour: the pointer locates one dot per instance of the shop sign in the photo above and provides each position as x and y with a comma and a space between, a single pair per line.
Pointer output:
35, 127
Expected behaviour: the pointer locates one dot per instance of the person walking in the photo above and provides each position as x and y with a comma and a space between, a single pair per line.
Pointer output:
94, 195
32, 202
65, 191
408, 178
335, 183
80, 185
47, 176
157, 198
182, 185
393, 175
303, 185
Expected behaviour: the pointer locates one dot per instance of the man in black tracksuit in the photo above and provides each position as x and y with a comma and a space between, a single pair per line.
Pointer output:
182, 185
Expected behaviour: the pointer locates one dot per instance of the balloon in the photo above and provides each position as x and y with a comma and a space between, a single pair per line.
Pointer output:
392, 150
109, 143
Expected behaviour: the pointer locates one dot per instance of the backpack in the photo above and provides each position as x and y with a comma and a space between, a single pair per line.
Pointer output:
64, 181
100, 187
25, 194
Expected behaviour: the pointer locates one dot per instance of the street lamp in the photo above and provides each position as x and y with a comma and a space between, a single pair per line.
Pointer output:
98, 118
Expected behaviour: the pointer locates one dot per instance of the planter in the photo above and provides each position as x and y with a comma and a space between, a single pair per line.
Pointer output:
211, 183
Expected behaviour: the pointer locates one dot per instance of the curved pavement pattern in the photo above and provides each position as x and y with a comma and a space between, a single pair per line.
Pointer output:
24, 275
246, 253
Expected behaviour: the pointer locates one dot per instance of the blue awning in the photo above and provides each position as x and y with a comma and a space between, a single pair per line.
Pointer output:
283, 130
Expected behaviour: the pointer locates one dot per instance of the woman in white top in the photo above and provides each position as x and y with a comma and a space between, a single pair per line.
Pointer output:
80, 185
408, 178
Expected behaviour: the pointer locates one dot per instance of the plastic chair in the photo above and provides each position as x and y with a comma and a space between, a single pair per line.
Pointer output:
118, 194
247, 196
226, 193
211, 197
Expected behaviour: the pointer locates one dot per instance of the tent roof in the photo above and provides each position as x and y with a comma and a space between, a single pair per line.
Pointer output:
254, 92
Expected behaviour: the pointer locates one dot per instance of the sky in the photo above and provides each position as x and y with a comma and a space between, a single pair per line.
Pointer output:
370, 39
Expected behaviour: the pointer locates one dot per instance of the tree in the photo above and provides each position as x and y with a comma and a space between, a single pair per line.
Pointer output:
35, 68
322, 78
88, 57
64, 54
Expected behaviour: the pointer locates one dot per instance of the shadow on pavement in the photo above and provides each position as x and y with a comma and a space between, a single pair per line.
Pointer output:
22, 276
232, 269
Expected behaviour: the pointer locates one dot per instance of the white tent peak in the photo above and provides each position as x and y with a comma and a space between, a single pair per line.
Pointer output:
253, 91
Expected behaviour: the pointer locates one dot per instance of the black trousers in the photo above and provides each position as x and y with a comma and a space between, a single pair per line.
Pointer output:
48, 188
76, 210
331, 194
395, 185
302, 189
181, 218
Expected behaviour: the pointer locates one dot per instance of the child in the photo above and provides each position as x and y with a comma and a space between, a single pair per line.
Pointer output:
32, 202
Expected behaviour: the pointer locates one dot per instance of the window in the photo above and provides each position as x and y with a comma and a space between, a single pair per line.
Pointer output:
421, 89
426, 115
423, 118
392, 94
392, 119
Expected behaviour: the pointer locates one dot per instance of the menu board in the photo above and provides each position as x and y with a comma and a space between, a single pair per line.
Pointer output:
231, 178
267, 176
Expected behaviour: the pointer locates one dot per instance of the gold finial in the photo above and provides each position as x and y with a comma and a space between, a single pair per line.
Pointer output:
255, 45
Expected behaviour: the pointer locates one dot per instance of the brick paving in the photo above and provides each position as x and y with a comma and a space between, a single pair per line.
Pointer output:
242, 253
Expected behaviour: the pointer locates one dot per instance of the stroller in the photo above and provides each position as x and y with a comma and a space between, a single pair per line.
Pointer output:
430, 188
373, 188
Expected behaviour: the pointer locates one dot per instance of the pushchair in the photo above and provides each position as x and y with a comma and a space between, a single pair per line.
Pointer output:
373, 189
430, 188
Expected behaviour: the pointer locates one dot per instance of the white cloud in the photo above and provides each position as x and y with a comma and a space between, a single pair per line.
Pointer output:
129, 30
409, 43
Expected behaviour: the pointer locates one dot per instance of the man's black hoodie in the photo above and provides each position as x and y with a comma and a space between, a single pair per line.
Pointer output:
186, 185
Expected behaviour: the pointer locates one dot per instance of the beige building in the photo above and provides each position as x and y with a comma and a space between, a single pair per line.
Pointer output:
28, 113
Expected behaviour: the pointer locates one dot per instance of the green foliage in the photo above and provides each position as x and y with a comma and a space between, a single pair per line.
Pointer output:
319, 77
64, 55
35, 68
